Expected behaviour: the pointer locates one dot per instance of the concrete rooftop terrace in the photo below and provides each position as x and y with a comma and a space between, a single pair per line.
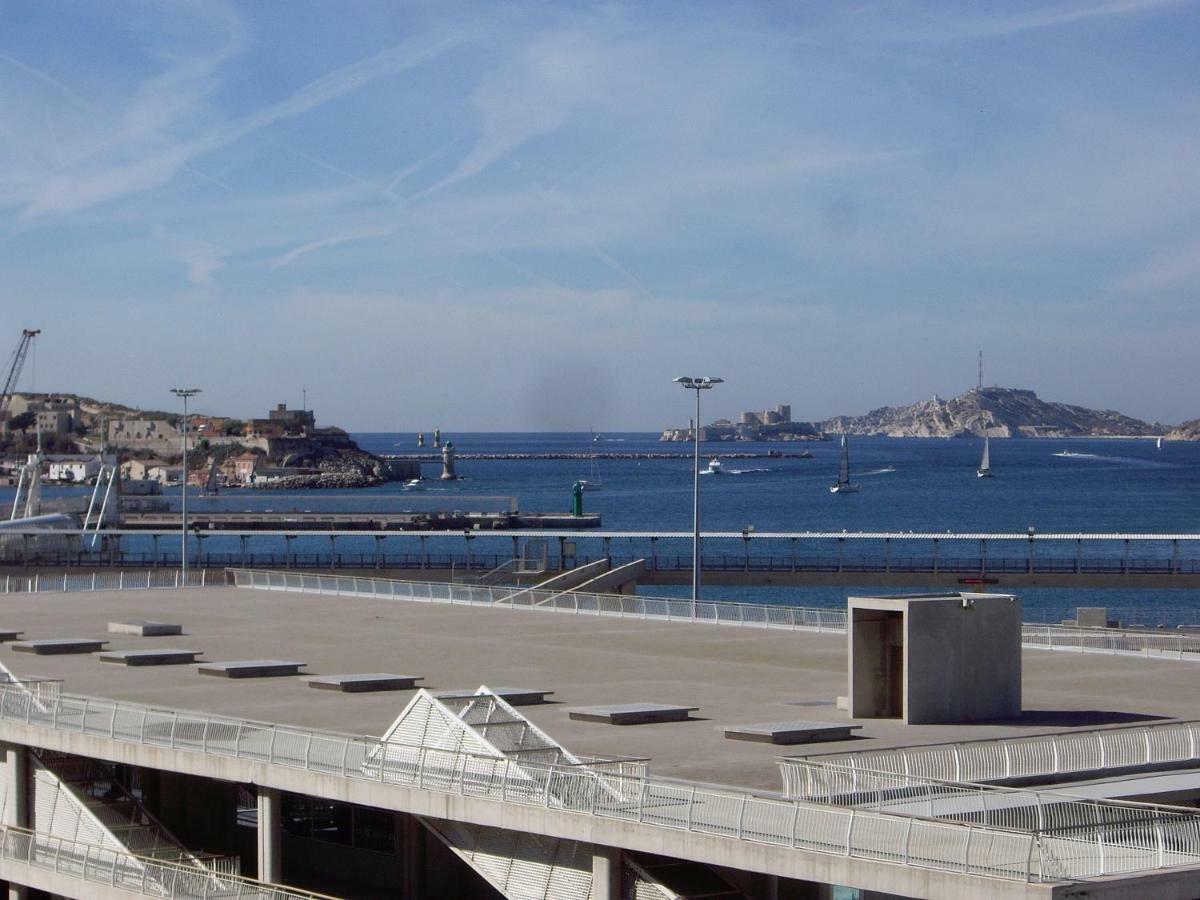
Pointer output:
735, 676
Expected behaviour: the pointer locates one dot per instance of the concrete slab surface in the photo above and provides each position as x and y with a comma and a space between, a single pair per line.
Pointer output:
143, 628
364, 684
252, 668
53, 646
632, 713
736, 675
797, 732
156, 657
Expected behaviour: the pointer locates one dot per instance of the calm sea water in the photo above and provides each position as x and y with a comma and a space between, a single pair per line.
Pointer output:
905, 484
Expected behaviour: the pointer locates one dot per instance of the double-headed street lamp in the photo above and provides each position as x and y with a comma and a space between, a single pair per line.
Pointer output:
185, 393
697, 385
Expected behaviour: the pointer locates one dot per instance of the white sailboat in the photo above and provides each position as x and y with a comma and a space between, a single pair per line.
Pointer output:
843, 485
592, 482
985, 464
1158, 444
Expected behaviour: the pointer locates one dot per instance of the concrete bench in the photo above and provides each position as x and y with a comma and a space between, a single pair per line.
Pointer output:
632, 713
798, 732
252, 668
158, 657
59, 645
145, 629
361, 684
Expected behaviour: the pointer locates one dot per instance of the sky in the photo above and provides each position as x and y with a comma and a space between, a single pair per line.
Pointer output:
532, 216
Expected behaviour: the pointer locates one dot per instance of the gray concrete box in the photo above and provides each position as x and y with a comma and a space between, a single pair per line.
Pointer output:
932, 658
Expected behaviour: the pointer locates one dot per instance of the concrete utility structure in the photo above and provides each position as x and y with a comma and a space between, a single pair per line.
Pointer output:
928, 658
453, 791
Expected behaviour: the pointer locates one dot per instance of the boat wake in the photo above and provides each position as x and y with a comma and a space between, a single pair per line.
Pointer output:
886, 470
1071, 454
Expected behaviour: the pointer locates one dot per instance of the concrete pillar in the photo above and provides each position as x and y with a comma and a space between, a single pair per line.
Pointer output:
16, 807
270, 837
606, 873
410, 848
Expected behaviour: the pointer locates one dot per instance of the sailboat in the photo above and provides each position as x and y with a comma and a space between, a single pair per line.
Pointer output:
592, 482
985, 464
843, 485
1158, 444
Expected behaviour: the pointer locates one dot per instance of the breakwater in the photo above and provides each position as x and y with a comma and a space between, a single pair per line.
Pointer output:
708, 451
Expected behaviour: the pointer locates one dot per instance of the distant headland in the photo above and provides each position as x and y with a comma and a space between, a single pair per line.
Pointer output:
981, 412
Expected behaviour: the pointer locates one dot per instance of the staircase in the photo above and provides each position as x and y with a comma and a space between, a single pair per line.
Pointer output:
80, 799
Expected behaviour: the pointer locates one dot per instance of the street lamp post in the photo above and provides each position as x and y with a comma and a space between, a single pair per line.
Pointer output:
697, 385
185, 393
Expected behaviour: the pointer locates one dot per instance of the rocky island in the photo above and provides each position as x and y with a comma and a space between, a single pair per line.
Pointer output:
991, 411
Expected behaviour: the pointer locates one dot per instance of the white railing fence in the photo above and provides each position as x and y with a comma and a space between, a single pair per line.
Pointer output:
1135, 835
732, 813
138, 875
619, 605
1178, 646
1035, 756
62, 582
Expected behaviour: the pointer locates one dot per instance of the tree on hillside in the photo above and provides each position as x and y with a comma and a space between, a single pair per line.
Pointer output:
23, 422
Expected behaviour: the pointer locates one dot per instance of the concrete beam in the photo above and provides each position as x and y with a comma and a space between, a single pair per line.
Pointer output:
805, 865
57, 884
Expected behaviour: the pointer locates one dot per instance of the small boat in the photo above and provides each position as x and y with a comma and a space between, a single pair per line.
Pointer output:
843, 485
714, 466
412, 482
806, 454
985, 464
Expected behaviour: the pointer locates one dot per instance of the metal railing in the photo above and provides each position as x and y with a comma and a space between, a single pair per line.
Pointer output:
136, 874
1177, 646
1077, 832
102, 581
659, 561
1124, 642
1035, 756
655, 801
795, 618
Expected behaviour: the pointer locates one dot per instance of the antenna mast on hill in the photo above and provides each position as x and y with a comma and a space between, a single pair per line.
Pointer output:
981, 370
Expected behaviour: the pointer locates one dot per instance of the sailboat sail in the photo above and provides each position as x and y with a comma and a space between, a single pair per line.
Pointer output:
985, 464
843, 485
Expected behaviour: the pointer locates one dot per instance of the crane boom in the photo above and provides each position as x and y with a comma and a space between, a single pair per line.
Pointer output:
14, 370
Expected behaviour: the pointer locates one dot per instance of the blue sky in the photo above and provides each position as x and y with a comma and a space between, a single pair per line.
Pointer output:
533, 215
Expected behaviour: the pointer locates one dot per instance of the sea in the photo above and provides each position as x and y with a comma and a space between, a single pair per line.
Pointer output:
905, 484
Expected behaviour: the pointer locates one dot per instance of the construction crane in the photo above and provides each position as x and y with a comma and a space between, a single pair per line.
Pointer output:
14, 369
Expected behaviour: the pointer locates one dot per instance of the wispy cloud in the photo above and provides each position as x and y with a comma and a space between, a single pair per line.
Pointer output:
201, 259
118, 175
1013, 21
333, 240
1170, 269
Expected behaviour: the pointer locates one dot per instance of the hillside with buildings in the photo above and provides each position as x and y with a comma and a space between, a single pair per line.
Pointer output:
285, 449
